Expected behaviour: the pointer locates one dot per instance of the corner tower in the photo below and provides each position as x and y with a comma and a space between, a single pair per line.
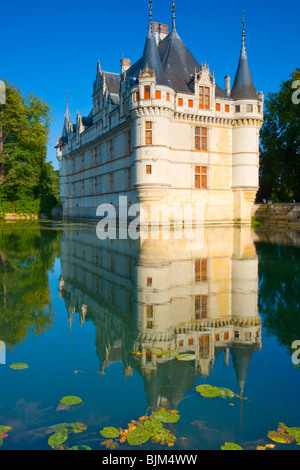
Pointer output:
246, 125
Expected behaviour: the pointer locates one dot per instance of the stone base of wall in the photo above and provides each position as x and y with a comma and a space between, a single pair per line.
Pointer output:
14, 216
278, 213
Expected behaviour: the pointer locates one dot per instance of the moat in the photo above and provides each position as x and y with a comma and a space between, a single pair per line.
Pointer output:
133, 328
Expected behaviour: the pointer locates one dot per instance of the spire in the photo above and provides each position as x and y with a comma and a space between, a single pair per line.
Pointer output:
173, 15
243, 87
243, 51
150, 58
67, 123
150, 12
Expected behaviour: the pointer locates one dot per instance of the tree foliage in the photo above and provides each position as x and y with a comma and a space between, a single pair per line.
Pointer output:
28, 182
27, 253
280, 144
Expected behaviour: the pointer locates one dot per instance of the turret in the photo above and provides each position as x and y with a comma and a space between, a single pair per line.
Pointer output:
245, 138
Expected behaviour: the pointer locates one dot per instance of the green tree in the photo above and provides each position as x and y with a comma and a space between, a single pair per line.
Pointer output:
26, 178
280, 145
27, 253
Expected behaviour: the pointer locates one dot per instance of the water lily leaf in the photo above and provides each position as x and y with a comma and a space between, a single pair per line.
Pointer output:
226, 393
152, 425
171, 353
280, 437
231, 446
80, 447
1, 441
163, 436
186, 357
57, 439
138, 436
19, 366
110, 432
166, 416
71, 400
208, 391
4, 429
157, 352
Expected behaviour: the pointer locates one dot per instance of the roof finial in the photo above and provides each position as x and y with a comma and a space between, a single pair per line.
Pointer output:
67, 110
174, 15
150, 11
243, 52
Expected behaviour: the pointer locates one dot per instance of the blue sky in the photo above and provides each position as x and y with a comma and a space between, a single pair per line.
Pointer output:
49, 47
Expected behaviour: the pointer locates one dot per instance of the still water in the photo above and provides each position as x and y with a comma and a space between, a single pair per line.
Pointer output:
112, 322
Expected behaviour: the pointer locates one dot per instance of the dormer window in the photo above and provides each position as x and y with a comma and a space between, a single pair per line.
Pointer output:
204, 97
147, 92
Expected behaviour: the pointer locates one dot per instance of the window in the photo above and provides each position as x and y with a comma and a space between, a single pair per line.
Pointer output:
149, 281
249, 108
111, 149
190, 341
217, 337
227, 109
218, 107
137, 96
158, 95
129, 178
200, 306
147, 93
201, 138
191, 104
149, 316
259, 109
129, 142
168, 97
180, 102
201, 177
237, 108
226, 335
148, 169
200, 270
204, 97
148, 132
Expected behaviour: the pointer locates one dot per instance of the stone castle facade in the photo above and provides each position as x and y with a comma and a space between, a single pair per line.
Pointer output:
162, 132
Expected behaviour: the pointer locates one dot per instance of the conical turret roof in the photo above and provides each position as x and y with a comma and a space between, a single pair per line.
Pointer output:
243, 87
150, 59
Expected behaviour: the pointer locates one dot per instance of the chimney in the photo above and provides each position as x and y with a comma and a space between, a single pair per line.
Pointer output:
125, 65
227, 85
160, 31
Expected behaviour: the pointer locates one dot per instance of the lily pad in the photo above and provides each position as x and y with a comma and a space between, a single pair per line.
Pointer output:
166, 416
71, 400
19, 366
1, 441
226, 393
157, 352
57, 439
4, 429
208, 391
80, 447
171, 353
110, 432
138, 436
280, 437
163, 436
152, 425
186, 357
231, 446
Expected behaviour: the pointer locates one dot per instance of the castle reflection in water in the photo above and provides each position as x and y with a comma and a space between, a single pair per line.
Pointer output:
167, 295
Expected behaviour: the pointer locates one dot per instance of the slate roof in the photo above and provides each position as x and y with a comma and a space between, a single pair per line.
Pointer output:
243, 87
151, 58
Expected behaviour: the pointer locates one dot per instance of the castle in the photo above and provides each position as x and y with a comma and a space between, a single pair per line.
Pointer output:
163, 133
